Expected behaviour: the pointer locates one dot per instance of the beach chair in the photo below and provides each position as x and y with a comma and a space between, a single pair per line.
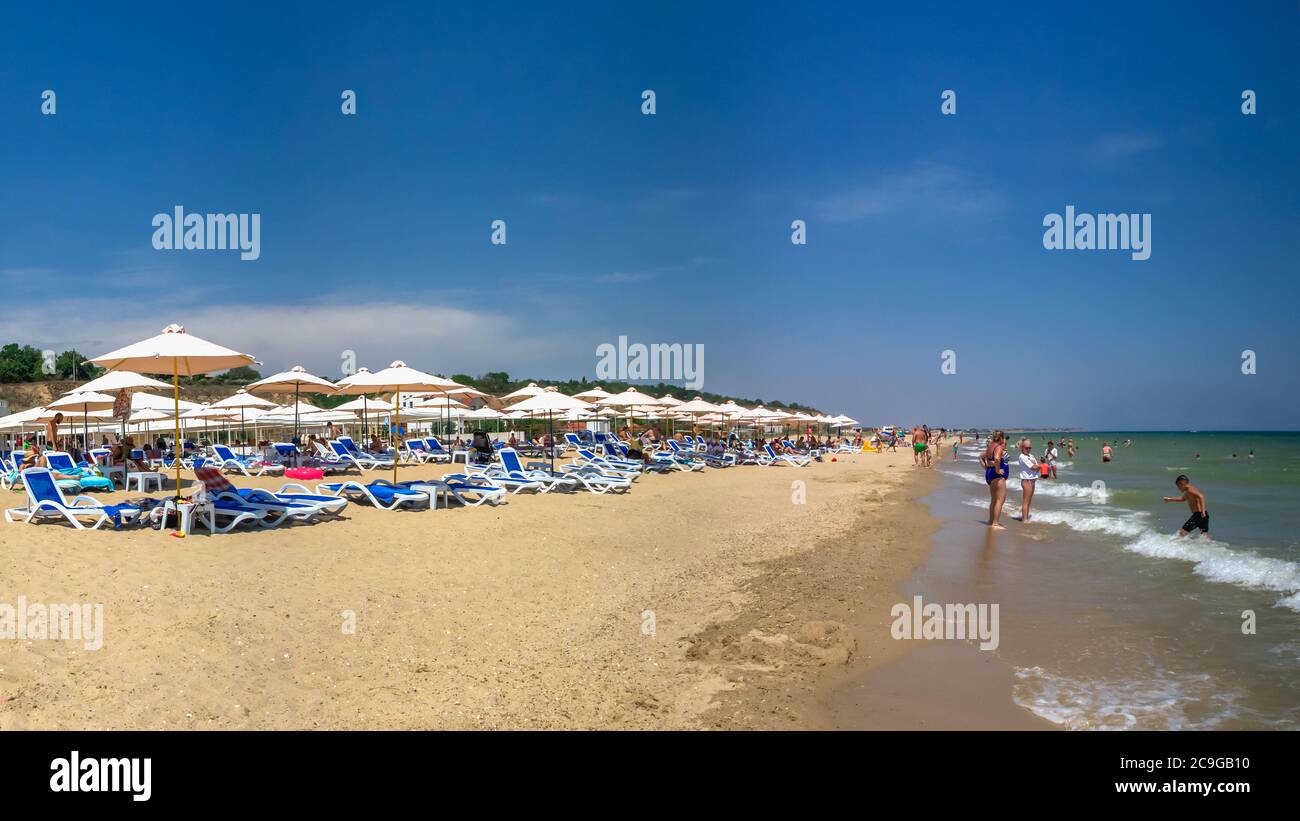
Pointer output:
45, 501
61, 462
381, 493
470, 491
361, 461
227, 460
435, 447
597, 481
770, 457
621, 466
512, 467
692, 459
297, 502
417, 451
434, 450
222, 515
510, 473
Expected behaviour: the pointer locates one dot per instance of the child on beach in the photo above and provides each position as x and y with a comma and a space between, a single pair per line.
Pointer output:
1195, 500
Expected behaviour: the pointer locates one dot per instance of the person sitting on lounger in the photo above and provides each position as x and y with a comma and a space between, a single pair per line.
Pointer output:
481, 448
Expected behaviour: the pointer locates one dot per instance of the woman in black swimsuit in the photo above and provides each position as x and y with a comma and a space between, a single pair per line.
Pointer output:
994, 460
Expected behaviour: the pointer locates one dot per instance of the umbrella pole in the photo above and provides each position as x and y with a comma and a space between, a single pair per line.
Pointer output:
397, 429
176, 405
297, 448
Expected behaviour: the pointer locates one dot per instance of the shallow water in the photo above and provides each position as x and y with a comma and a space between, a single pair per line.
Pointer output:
1112, 622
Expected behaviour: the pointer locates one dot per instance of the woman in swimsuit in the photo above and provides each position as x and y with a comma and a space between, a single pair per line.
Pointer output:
994, 460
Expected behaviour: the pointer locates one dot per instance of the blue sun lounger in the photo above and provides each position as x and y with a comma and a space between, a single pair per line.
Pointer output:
381, 493
46, 501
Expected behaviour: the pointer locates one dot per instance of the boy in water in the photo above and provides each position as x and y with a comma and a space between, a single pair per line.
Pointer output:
1196, 501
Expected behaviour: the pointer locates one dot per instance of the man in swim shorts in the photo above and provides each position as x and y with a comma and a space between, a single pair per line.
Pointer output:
1200, 518
919, 444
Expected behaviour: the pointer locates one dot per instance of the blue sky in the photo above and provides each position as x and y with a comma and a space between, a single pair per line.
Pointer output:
924, 231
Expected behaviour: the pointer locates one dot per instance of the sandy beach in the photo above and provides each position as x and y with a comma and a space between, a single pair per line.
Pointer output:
697, 600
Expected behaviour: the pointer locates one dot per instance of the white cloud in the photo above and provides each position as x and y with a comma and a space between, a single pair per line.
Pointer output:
434, 338
1113, 147
925, 188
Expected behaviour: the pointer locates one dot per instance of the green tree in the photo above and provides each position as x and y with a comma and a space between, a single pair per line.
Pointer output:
73, 365
20, 364
243, 374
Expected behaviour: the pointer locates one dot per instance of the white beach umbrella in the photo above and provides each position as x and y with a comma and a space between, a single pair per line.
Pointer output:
146, 415
669, 400
397, 377
632, 400
22, 419
130, 381
696, 408
242, 400
81, 403
592, 394
529, 390
365, 404
123, 384
181, 354
298, 379
551, 401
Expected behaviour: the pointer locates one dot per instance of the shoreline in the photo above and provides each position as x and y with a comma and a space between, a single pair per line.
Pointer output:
817, 624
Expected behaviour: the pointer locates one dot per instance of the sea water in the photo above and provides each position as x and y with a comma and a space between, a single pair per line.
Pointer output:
1108, 618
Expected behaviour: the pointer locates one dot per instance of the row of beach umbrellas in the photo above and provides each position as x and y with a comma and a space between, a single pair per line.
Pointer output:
179, 353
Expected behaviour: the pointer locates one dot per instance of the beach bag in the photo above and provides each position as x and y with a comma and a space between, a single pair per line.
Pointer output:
304, 473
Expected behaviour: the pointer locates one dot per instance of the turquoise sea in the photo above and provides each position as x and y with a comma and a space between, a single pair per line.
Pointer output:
1110, 620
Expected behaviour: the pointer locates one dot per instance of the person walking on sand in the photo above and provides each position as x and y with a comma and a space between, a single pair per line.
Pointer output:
918, 445
1028, 476
1200, 518
994, 460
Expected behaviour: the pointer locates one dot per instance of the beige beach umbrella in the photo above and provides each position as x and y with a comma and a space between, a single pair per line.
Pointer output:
147, 415
631, 400
122, 384
551, 401
22, 419
529, 390
668, 400
696, 408
298, 379
242, 400
181, 354
396, 378
363, 404
82, 403
366, 406
466, 391
593, 394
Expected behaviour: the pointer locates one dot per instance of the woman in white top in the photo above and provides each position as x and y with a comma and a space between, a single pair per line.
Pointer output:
1028, 475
